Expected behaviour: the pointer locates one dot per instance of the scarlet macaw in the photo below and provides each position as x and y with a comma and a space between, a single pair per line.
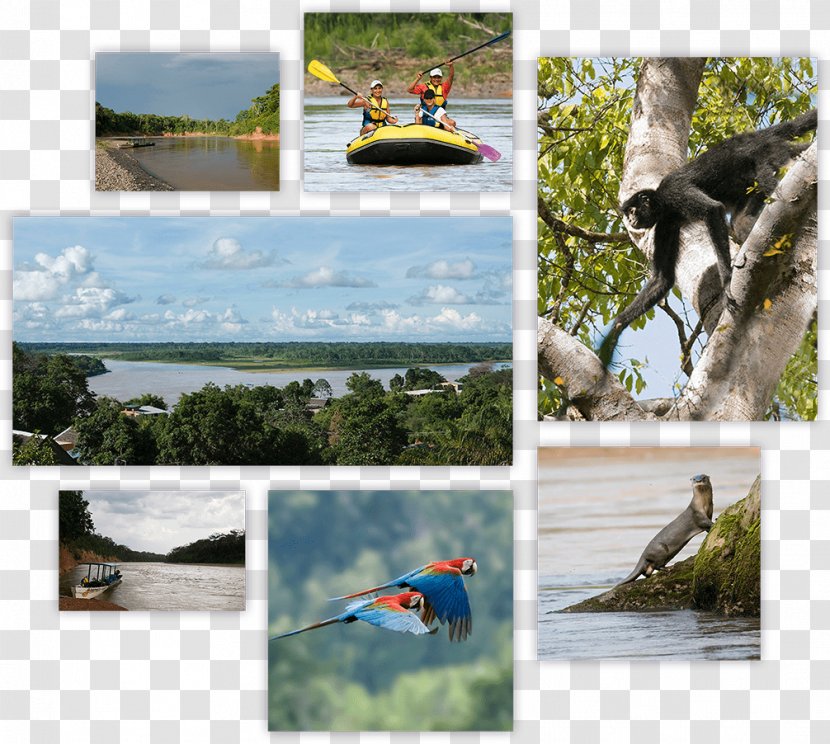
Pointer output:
445, 595
385, 612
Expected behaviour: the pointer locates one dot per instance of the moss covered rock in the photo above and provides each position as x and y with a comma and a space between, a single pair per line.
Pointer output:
724, 576
727, 568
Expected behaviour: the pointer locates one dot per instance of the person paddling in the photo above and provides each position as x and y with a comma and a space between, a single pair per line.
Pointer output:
431, 114
376, 111
440, 89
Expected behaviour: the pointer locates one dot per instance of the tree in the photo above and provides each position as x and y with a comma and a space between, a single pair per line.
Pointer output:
148, 399
48, 391
742, 365
74, 519
109, 437
364, 427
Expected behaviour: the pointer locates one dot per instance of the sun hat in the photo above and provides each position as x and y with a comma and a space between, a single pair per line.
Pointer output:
376, 82
435, 72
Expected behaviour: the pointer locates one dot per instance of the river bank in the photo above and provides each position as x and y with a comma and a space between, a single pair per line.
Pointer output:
395, 83
117, 170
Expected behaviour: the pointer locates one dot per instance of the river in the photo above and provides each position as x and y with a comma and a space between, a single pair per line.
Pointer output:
127, 380
329, 126
588, 542
170, 586
212, 163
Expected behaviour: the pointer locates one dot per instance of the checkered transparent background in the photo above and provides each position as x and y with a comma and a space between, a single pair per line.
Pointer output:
167, 677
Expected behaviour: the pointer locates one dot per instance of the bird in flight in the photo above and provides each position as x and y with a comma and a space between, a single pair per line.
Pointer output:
394, 612
444, 595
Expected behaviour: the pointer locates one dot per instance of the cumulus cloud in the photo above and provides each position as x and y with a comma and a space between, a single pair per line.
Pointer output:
229, 320
45, 282
448, 319
371, 307
443, 270
440, 294
88, 302
193, 301
311, 319
227, 253
165, 299
325, 276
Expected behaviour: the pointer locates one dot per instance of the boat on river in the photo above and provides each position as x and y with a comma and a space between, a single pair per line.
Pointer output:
100, 578
414, 144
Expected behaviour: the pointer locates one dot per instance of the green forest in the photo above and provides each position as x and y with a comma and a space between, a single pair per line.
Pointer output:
355, 677
76, 533
383, 41
267, 425
264, 112
288, 355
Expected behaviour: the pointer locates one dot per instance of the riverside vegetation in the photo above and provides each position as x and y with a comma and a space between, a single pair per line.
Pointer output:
77, 535
266, 425
263, 114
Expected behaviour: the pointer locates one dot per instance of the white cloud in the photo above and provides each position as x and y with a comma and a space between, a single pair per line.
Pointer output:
227, 253
448, 319
229, 320
441, 294
44, 283
90, 302
443, 269
193, 301
165, 299
316, 319
325, 276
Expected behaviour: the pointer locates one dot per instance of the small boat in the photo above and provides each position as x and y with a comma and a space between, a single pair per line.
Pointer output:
413, 144
100, 578
136, 142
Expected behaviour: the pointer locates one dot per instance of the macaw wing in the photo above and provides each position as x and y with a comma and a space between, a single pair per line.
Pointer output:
447, 598
400, 620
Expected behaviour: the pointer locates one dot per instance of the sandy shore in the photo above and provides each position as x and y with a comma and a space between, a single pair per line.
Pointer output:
88, 605
117, 170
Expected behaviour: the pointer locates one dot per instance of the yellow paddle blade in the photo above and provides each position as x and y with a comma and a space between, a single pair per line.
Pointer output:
318, 69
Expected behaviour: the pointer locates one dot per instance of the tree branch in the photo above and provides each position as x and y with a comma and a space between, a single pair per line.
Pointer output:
596, 393
558, 226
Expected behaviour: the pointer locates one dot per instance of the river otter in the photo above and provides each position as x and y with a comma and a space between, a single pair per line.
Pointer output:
666, 544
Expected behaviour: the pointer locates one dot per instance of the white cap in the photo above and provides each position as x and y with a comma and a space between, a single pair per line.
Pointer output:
436, 71
376, 82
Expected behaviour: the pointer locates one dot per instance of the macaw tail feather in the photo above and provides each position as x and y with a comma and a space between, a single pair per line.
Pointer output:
461, 628
373, 590
321, 624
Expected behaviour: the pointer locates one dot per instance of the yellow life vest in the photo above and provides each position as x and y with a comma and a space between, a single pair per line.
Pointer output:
439, 93
376, 115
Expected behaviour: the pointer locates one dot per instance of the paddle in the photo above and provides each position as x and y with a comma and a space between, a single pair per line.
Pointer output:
491, 153
319, 70
480, 46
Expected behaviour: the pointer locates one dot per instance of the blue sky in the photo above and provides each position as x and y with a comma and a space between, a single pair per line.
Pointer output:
148, 279
159, 521
201, 85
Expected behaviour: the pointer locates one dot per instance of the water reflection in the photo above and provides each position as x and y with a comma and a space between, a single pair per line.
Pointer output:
213, 163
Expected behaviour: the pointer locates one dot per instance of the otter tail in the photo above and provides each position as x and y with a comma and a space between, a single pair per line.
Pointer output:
638, 569
795, 127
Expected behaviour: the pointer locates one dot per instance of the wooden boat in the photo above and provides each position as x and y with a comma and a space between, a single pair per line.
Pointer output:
100, 578
413, 144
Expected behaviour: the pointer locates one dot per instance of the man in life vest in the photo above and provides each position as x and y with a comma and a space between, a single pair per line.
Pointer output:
431, 114
376, 111
435, 84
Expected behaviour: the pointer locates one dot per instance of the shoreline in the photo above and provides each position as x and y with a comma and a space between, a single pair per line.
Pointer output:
117, 170
266, 370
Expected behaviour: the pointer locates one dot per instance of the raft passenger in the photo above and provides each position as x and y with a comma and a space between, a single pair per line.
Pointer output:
431, 114
435, 84
376, 111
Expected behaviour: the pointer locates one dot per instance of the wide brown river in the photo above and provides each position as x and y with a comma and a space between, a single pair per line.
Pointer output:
171, 586
212, 163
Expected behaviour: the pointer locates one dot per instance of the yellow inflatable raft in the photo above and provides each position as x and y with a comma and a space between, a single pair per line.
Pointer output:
413, 144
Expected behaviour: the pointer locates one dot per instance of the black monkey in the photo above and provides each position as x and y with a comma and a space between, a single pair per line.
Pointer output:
736, 177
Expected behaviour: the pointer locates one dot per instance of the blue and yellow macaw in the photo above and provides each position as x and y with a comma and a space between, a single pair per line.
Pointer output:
392, 612
445, 596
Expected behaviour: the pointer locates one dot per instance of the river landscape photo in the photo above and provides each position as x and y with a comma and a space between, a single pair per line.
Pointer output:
187, 122
262, 341
151, 550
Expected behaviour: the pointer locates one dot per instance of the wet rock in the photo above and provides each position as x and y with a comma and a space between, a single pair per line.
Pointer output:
724, 577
